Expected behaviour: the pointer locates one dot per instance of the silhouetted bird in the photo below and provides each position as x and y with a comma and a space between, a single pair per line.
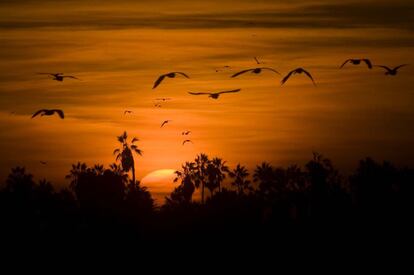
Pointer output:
225, 67
165, 122
43, 162
127, 112
187, 140
298, 71
185, 133
390, 71
170, 75
257, 61
357, 62
46, 112
157, 105
163, 98
255, 71
215, 95
59, 76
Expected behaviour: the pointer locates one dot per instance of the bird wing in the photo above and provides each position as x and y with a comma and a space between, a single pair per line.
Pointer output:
196, 93
385, 67
183, 74
368, 62
38, 112
310, 76
241, 72
257, 61
60, 113
287, 77
158, 81
165, 122
187, 140
344, 63
231, 91
396, 68
273, 70
70, 76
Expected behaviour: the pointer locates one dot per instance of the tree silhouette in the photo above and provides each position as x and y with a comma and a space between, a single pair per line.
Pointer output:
125, 154
200, 175
216, 173
74, 173
240, 174
263, 174
184, 192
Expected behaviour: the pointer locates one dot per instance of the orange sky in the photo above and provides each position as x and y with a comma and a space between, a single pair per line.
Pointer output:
119, 49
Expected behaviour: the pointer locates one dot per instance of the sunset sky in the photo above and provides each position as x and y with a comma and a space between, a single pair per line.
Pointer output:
119, 48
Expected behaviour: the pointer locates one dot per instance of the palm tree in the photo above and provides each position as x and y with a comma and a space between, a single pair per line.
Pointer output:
216, 171
185, 191
200, 176
125, 154
263, 174
239, 174
74, 173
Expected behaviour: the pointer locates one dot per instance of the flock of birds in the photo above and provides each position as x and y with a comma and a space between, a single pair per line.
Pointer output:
215, 95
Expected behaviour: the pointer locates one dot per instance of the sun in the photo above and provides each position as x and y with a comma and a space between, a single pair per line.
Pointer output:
160, 183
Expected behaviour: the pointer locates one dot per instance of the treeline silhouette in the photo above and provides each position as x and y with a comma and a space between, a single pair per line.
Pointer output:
270, 203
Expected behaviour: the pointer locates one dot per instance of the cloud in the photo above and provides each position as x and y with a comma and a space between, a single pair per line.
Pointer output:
396, 14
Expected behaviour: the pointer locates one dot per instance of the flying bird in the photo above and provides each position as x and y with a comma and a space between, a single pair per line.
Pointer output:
170, 75
157, 105
390, 71
187, 140
47, 112
43, 162
127, 112
60, 76
215, 95
297, 71
255, 71
165, 122
257, 61
357, 62
163, 98
225, 67
185, 133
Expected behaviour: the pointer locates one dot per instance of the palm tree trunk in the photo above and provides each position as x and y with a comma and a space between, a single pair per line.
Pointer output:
202, 193
133, 175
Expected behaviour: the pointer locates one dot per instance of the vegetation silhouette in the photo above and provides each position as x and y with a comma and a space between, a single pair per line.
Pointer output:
271, 202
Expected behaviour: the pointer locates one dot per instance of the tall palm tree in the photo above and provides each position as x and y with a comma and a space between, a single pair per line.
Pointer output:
240, 174
200, 176
263, 174
125, 154
74, 173
186, 175
216, 171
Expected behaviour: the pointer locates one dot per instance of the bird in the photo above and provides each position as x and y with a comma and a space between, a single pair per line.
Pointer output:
127, 112
157, 105
297, 71
390, 71
170, 75
185, 133
187, 140
215, 95
43, 162
257, 61
59, 76
357, 62
163, 98
224, 67
165, 122
49, 112
255, 71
